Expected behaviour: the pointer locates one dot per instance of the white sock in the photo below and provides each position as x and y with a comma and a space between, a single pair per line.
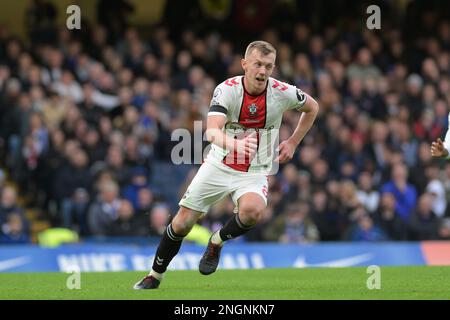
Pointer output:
216, 239
156, 275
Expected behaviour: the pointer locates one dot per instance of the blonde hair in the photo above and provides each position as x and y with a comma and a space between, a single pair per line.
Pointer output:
262, 46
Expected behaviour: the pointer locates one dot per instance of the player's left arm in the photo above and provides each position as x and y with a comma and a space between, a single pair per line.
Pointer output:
309, 109
441, 149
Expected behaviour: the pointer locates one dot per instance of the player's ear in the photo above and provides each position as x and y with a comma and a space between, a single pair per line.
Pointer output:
244, 64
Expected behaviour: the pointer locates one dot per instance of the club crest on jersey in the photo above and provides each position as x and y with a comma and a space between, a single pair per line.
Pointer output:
252, 109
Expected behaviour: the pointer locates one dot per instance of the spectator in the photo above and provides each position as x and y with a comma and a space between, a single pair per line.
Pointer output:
417, 173
288, 182
405, 194
68, 87
413, 96
366, 230
103, 212
95, 148
444, 229
379, 148
328, 221
347, 198
126, 224
72, 188
404, 141
34, 150
427, 128
53, 111
319, 173
13, 230
9, 205
144, 201
293, 226
423, 224
159, 219
115, 163
367, 195
139, 181
389, 219
363, 68
437, 190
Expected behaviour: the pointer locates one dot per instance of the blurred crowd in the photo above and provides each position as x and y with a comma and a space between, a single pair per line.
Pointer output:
86, 115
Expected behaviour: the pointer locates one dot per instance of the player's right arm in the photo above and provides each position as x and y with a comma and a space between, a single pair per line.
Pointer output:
216, 135
217, 117
441, 149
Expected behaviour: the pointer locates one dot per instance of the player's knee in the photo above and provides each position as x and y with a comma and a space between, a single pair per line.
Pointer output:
181, 226
184, 221
251, 213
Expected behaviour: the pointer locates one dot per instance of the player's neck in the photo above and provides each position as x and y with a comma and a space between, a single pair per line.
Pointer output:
251, 90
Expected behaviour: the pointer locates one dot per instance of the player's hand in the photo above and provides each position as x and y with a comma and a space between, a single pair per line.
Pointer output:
247, 146
286, 149
438, 150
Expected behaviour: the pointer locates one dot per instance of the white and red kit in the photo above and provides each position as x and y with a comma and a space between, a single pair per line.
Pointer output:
226, 172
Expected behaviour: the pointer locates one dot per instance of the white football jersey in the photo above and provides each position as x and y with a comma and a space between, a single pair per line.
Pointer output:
247, 113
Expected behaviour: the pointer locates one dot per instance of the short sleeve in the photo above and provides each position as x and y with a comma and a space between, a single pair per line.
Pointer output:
220, 101
295, 98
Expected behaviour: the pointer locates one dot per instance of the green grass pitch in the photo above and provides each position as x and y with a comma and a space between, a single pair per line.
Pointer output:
269, 284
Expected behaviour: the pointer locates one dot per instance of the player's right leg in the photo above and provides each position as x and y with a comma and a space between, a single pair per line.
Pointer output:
209, 185
169, 246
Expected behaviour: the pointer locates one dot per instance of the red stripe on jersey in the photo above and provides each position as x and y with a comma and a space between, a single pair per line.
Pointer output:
253, 110
231, 82
240, 164
282, 88
253, 114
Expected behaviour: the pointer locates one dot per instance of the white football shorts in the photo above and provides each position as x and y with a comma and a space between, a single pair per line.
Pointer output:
212, 183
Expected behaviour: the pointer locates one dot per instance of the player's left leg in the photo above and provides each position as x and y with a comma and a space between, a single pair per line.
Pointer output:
250, 209
251, 201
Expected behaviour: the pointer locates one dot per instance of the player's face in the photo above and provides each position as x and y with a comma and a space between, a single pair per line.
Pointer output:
258, 68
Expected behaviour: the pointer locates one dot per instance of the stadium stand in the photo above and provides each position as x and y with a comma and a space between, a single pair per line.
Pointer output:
84, 112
